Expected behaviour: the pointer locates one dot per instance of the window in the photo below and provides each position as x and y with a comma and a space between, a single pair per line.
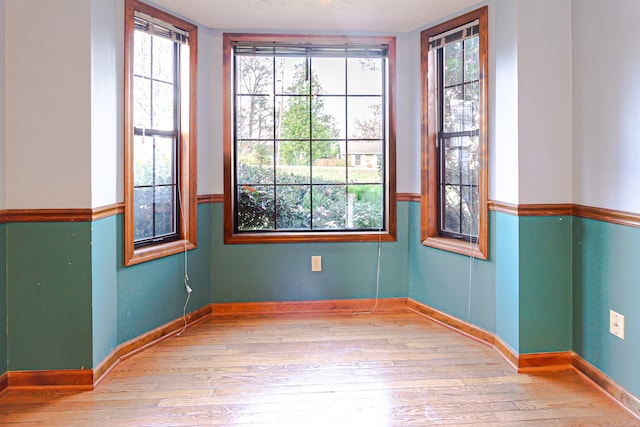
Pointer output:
454, 141
301, 110
160, 102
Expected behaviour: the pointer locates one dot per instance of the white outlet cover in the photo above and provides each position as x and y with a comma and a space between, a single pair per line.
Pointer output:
616, 324
316, 263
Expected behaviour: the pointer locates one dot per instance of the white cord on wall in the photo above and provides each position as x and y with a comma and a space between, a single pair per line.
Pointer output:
375, 305
187, 288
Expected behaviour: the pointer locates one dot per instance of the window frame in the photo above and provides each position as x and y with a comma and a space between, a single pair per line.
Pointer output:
388, 234
430, 183
186, 206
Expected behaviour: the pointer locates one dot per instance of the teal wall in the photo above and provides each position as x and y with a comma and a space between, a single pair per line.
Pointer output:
282, 272
3, 299
456, 284
606, 271
545, 284
152, 293
507, 292
522, 292
48, 295
70, 301
104, 287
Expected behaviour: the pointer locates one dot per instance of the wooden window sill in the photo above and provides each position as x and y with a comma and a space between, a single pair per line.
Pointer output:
149, 253
457, 246
275, 237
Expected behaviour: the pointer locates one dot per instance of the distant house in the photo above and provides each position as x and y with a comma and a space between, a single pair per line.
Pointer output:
362, 153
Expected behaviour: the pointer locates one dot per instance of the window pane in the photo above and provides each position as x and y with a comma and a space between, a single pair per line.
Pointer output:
363, 161
475, 211
451, 160
292, 76
328, 76
163, 106
255, 208
141, 102
255, 162
329, 206
364, 117
453, 55
293, 119
329, 168
365, 206
254, 117
293, 162
364, 76
329, 150
164, 210
255, 75
469, 196
143, 213
451, 220
142, 54
469, 160
293, 207
163, 61
329, 115
454, 109
164, 161
471, 59
142, 160
471, 117
461, 160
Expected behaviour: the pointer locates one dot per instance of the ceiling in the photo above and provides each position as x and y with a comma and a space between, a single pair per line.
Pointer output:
315, 15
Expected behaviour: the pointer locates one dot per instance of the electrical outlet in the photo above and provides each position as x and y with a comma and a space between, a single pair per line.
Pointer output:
316, 263
616, 324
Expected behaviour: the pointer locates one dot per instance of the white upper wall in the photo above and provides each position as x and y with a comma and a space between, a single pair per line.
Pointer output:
48, 104
3, 165
551, 86
106, 101
503, 102
407, 181
210, 165
606, 107
412, 120
544, 101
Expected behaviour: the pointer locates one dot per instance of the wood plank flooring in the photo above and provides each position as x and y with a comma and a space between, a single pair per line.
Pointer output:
387, 369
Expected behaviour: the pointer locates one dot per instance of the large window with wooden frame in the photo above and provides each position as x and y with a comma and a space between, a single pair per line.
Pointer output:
454, 135
309, 138
160, 152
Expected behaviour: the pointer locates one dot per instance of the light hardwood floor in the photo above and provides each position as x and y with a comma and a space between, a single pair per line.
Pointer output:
386, 369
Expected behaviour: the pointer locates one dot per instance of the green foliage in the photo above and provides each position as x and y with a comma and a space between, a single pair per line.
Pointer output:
258, 210
304, 118
330, 206
367, 210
